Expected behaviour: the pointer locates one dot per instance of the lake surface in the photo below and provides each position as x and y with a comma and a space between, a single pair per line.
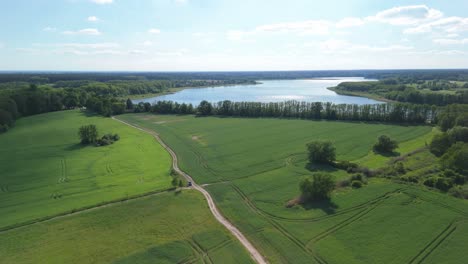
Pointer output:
310, 90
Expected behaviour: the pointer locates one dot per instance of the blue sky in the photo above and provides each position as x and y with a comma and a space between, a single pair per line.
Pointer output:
201, 35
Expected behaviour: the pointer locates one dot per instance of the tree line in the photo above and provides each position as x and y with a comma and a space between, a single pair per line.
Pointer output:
397, 91
398, 112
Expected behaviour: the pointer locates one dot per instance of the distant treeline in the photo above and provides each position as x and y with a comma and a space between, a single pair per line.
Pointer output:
16, 103
18, 99
397, 113
402, 75
392, 90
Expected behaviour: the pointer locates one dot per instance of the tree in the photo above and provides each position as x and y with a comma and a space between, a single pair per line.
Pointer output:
321, 152
319, 188
385, 145
456, 158
205, 108
88, 134
129, 104
6, 118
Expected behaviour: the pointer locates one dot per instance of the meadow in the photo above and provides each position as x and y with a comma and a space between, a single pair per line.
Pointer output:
169, 227
252, 168
45, 170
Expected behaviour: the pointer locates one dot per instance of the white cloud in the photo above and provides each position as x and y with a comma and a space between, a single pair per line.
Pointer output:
406, 15
93, 19
102, 2
154, 31
344, 46
49, 29
104, 45
313, 27
147, 43
451, 41
447, 24
302, 28
86, 31
349, 22
137, 52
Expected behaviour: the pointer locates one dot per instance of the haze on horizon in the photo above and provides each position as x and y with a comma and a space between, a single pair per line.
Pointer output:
209, 35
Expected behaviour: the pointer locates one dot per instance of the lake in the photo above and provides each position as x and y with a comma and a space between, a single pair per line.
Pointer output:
309, 90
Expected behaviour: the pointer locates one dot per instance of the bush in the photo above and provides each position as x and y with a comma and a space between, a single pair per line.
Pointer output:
356, 184
107, 139
345, 165
88, 134
440, 144
385, 145
319, 188
440, 183
321, 152
459, 192
456, 158
413, 179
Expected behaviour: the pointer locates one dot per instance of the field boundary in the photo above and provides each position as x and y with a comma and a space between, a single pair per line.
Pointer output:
254, 253
82, 210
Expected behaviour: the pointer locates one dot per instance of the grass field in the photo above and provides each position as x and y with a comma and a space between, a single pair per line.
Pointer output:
45, 171
252, 167
164, 228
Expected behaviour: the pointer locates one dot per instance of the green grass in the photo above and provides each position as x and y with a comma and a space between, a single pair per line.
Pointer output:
164, 228
45, 171
253, 167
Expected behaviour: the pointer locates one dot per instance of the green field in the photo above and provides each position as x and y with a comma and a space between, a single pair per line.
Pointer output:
164, 228
45, 171
252, 168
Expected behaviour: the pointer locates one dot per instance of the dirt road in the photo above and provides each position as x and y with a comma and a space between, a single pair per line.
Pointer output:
214, 210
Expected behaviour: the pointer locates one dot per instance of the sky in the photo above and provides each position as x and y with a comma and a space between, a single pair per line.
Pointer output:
232, 35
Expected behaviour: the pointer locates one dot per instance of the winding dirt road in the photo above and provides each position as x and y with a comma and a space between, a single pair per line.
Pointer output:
214, 210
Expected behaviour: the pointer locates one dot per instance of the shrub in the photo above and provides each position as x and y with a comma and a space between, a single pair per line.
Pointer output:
457, 178
356, 184
385, 145
88, 134
399, 168
358, 177
345, 165
319, 188
321, 152
343, 183
459, 192
456, 158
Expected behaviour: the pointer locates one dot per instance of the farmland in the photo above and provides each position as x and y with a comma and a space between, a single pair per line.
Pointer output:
45, 170
151, 229
252, 168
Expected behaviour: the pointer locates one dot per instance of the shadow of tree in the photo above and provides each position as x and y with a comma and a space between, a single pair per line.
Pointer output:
76, 146
388, 154
320, 167
328, 206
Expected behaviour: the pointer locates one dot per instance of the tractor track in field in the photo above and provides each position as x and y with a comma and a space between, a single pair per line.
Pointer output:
278, 227
434, 243
254, 253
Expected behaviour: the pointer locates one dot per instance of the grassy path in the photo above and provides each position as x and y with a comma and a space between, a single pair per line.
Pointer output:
214, 210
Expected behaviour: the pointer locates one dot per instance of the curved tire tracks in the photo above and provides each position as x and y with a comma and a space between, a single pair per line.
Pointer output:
254, 253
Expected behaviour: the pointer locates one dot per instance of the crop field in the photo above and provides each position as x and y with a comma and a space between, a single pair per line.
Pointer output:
45, 171
252, 168
168, 228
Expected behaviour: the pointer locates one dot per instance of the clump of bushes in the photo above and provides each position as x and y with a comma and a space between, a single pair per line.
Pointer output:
385, 145
345, 165
107, 139
318, 188
89, 135
356, 181
321, 152
459, 192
